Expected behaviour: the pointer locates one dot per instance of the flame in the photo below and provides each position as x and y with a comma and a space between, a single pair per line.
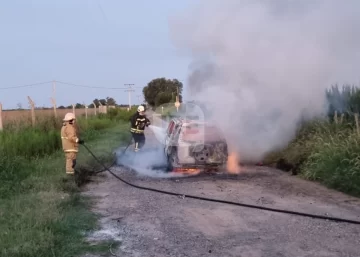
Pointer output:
189, 171
233, 163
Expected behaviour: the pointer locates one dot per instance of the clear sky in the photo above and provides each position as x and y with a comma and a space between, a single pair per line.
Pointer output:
88, 42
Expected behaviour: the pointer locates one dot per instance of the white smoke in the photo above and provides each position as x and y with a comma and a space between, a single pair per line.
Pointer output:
151, 160
147, 162
261, 66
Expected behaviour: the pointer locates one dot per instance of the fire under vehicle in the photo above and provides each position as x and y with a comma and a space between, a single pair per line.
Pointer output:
192, 146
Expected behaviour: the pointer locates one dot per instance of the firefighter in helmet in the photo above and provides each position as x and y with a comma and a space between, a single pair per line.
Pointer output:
70, 142
138, 123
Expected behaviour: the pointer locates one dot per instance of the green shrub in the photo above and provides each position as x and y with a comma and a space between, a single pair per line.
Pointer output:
119, 114
13, 170
95, 124
335, 161
29, 142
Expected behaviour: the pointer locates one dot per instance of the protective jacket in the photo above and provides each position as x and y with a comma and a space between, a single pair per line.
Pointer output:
138, 123
69, 138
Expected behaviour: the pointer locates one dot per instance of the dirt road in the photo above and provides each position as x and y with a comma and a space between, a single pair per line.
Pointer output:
152, 224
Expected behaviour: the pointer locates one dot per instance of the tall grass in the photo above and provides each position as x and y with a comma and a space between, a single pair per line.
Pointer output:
118, 114
327, 150
23, 139
335, 161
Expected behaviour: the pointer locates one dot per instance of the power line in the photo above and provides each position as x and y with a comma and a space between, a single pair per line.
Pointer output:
77, 85
60, 82
28, 85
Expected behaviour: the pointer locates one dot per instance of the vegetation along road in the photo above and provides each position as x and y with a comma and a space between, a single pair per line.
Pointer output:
41, 211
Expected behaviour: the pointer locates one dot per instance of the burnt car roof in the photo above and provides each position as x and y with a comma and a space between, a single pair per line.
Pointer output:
208, 131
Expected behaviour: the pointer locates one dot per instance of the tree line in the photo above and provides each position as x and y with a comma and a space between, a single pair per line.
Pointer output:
157, 92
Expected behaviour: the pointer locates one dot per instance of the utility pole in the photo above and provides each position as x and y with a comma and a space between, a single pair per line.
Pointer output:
129, 90
138, 96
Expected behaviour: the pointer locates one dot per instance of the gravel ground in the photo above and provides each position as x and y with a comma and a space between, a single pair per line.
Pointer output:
153, 224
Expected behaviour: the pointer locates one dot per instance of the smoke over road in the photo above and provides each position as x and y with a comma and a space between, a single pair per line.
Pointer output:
150, 161
262, 66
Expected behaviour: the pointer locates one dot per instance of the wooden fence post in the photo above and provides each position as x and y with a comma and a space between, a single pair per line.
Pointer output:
32, 106
336, 117
342, 118
54, 105
1, 124
357, 123
94, 107
100, 107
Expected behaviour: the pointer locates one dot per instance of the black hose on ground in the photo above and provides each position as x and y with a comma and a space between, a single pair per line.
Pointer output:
113, 163
221, 201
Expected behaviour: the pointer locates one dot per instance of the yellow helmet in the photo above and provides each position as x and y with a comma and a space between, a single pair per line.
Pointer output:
69, 116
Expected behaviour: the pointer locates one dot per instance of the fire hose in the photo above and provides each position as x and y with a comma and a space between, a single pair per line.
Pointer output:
112, 164
217, 200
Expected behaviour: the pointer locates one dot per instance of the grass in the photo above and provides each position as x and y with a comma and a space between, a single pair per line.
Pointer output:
121, 114
335, 161
326, 152
41, 210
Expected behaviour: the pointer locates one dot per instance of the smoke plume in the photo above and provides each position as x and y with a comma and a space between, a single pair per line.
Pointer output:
147, 163
262, 66
150, 161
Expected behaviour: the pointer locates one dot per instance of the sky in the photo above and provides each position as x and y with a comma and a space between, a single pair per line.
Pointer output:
96, 43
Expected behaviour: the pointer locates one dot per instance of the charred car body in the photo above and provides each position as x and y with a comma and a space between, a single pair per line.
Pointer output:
194, 145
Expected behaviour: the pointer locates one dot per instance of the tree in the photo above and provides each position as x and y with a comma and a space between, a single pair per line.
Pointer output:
79, 106
163, 98
169, 88
97, 101
110, 101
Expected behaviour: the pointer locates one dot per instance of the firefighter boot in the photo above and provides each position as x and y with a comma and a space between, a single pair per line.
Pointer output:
70, 162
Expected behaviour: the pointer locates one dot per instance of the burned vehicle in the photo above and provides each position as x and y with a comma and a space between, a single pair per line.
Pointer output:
192, 145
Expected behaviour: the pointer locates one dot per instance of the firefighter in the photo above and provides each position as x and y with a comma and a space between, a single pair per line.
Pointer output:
70, 142
138, 123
